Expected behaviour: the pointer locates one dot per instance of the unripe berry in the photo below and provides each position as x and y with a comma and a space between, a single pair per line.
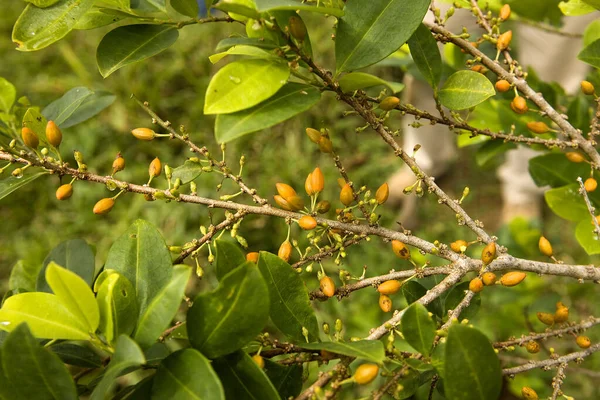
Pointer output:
389, 287
489, 253
502, 85
155, 168
143, 133
562, 313
537, 127
346, 195
545, 246
64, 192
505, 12
519, 105
400, 249
327, 286
314, 135
575, 157
365, 373
546, 318
259, 361
297, 28
476, 285
382, 193
389, 103
30, 138
118, 164
323, 206
285, 190
325, 144
104, 206
53, 134
504, 40
532, 347
512, 278
529, 394
458, 246
285, 251
583, 341
488, 278
587, 88
385, 303
252, 256
590, 184
307, 223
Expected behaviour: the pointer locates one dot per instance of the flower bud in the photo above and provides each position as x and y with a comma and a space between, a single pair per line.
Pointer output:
323, 206
346, 195
489, 253
574, 157
64, 191
252, 256
314, 135
385, 303
365, 373
143, 133
30, 138
545, 246
155, 168
53, 134
587, 88
327, 286
297, 28
458, 246
532, 347
537, 127
488, 278
519, 105
389, 103
505, 12
583, 341
104, 206
504, 40
285, 251
512, 278
389, 287
118, 164
546, 318
382, 194
476, 285
400, 249
307, 223
529, 394
259, 361
590, 184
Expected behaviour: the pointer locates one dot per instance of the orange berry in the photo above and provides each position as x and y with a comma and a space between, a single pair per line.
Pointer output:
385, 303
365, 373
382, 193
308, 185
285, 251
155, 168
488, 278
389, 103
64, 192
476, 285
281, 202
519, 105
252, 256
314, 135
118, 164
389, 287
529, 394
400, 249
502, 86
583, 341
327, 286
546, 318
317, 180
512, 278
30, 138
532, 347
285, 190
504, 40
53, 134
307, 223
104, 206
587, 88
489, 253
590, 184
295, 202
575, 157
505, 12
458, 245
259, 361
537, 127
562, 313
143, 133
479, 68
346, 195
545, 246
325, 144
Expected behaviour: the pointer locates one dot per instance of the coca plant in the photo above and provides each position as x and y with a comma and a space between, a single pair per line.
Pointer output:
134, 314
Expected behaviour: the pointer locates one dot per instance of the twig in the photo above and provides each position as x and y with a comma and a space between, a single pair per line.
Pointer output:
537, 336
328, 252
557, 381
545, 364
454, 314
588, 203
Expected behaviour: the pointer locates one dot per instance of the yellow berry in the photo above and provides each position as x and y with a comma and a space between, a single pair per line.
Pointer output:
537, 127
512, 278
385, 303
590, 184
562, 313
365, 373
583, 341
346, 195
575, 157
476, 285
504, 40
252, 256
587, 88
458, 246
314, 135
528, 393
53, 134
545, 246
382, 194
143, 133
64, 192
325, 144
285, 190
307, 223
118, 164
519, 105
285, 251
389, 287
488, 278
155, 168
259, 361
30, 138
505, 12
317, 180
327, 286
489, 253
104, 206
400, 249
281, 202
389, 103
546, 318
295, 202
532, 347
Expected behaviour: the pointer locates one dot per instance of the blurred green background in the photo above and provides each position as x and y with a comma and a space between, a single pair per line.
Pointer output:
174, 82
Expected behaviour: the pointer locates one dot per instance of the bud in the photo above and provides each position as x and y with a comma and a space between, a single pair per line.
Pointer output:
104, 206
382, 193
512, 278
528, 393
64, 192
118, 164
252, 257
326, 328
590, 184
78, 156
325, 144
400, 249
458, 246
532, 347
297, 28
385, 303
143, 133
519, 105
285, 251
502, 86
546, 318
30, 138
346, 195
537, 127
327, 286
545, 246
338, 325
504, 40
562, 313
323, 206
488, 278
583, 341
389, 103
505, 12
53, 134
168, 172
489, 253
314, 135
365, 373
575, 157
17, 173
389, 287
155, 168
587, 88
259, 361
307, 223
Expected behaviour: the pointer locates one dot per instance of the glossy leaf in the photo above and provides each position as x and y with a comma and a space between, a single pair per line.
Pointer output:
472, 368
97, 18
492, 150
7, 389
287, 380
282, 17
413, 291
239, 9
187, 172
34, 120
78, 355
290, 100
457, 293
369, 31
75, 255
465, 89
270, 5
186, 374
573, 8
586, 237
229, 257
290, 306
426, 55
592, 33
567, 203
361, 80
163, 307
418, 328
371, 350
235, 41
132, 43
10, 183
186, 7
224, 320
37, 28
141, 255
23, 275
117, 303
75, 294
555, 170
42, 3
8, 94
46, 315
243, 50
591, 54
127, 355
35, 372
77, 105
242, 379
243, 84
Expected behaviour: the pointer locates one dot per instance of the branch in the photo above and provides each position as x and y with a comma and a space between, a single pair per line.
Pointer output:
590, 208
551, 362
558, 332
557, 381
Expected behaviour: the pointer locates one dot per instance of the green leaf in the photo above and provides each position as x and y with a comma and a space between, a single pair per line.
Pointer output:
286, 379
77, 105
573, 8
34, 120
117, 303
426, 55
243, 379
8, 94
282, 17
567, 203
46, 315
141, 255
186, 7
187, 172
413, 291
243, 50
186, 374
290, 100
418, 328
239, 9
586, 237
127, 355
360, 80
132, 43
371, 350
224, 320
270, 5
592, 33
243, 84
42, 3
591, 54
75, 294
23, 275
491, 150
455, 296
290, 306
465, 89
369, 31
35, 372
77, 355
162, 309
10, 183
97, 18
472, 369
229, 257
555, 170
75, 255
37, 28
236, 41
